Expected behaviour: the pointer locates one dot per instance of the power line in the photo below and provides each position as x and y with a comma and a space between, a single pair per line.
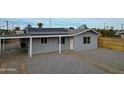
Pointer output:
7, 25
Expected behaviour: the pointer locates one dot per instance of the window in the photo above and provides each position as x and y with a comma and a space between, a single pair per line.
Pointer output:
62, 40
86, 40
43, 40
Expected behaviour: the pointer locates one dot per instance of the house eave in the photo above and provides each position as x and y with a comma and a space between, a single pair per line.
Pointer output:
87, 31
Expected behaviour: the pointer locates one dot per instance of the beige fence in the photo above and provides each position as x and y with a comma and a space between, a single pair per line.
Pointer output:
111, 43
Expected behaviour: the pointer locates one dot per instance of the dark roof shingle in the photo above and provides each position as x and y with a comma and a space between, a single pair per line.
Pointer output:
47, 31
55, 31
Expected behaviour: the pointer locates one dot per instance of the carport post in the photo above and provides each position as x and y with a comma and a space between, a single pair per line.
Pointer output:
60, 45
0, 46
30, 50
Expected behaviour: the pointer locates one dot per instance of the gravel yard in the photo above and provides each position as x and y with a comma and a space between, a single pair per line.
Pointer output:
107, 56
65, 63
55, 63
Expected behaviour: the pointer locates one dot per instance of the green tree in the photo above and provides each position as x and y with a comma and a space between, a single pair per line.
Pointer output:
111, 28
106, 33
17, 28
29, 26
83, 26
40, 25
71, 28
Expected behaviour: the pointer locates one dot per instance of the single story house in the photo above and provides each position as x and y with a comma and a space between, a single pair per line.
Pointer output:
19, 32
43, 40
121, 34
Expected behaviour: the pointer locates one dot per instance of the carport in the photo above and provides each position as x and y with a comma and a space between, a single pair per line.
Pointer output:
27, 36
7, 37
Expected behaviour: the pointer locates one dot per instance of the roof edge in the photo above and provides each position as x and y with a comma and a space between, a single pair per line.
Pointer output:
86, 31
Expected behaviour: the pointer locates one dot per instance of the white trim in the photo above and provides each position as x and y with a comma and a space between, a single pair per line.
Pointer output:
38, 36
86, 31
50, 36
16, 37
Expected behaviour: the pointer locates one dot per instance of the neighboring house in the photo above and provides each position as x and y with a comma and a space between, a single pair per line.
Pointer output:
121, 34
43, 40
20, 32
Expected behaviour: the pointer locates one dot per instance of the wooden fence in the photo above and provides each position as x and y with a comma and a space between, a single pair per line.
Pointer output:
111, 43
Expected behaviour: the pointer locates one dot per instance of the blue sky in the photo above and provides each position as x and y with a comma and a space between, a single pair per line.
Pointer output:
64, 22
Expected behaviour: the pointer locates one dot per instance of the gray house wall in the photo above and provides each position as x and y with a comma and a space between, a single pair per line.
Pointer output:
78, 41
50, 46
52, 43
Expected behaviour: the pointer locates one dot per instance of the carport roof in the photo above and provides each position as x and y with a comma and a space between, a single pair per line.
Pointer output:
14, 36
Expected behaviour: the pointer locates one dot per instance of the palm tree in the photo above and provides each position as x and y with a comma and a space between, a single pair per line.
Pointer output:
40, 25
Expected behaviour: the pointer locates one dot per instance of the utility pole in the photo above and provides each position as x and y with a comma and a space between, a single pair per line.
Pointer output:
7, 25
12, 27
50, 22
107, 27
104, 26
122, 26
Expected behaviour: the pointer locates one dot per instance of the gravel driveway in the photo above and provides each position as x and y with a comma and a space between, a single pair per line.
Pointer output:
106, 56
55, 63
